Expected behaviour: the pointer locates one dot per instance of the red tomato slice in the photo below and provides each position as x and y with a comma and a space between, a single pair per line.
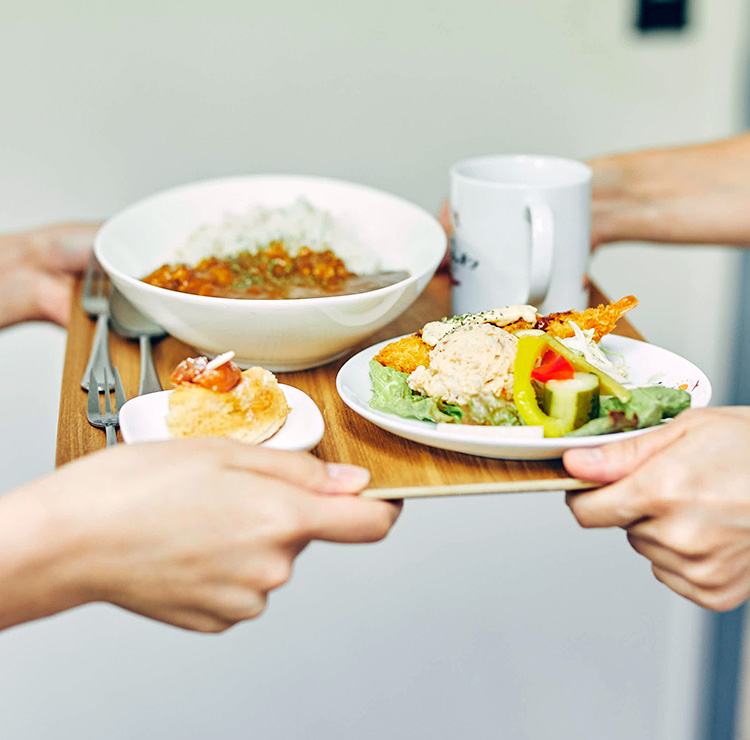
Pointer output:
553, 367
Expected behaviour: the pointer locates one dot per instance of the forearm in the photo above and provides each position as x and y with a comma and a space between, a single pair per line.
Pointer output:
40, 567
695, 194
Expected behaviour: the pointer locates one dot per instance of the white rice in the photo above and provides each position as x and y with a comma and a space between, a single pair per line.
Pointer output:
298, 225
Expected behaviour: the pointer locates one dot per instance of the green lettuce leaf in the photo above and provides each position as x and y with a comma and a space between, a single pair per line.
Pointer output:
391, 393
647, 407
489, 410
614, 421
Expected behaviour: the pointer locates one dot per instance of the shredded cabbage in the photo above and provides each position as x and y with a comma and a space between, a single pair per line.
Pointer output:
583, 343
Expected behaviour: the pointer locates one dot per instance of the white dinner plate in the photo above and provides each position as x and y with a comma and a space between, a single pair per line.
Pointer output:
144, 419
647, 365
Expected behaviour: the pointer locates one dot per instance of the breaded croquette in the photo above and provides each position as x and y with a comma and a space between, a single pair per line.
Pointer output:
405, 354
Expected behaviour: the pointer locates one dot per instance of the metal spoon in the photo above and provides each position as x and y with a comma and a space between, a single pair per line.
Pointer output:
130, 323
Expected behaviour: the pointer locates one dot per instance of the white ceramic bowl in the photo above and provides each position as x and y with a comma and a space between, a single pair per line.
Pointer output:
277, 334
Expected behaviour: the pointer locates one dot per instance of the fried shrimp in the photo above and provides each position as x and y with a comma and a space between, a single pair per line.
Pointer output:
601, 319
405, 354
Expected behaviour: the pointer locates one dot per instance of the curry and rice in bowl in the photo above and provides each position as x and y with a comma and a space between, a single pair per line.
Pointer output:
275, 253
290, 271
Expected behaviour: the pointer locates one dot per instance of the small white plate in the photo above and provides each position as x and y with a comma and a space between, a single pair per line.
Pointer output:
144, 419
647, 364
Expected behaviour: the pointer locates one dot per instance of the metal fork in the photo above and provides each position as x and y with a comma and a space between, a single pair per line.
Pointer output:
109, 419
95, 301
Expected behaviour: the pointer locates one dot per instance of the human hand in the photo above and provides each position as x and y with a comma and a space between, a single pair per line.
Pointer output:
445, 221
694, 194
36, 269
194, 533
682, 494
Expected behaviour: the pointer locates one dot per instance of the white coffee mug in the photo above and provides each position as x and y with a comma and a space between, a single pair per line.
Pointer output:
522, 232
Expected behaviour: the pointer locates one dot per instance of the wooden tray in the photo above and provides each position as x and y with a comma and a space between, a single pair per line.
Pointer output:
400, 468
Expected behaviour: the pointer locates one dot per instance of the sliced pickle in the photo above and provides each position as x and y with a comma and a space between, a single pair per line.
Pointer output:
574, 401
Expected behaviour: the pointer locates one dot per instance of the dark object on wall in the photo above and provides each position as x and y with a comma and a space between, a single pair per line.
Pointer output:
662, 15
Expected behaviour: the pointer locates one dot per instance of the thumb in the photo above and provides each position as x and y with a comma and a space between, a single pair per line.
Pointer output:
61, 248
614, 461
73, 244
298, 468
351, 518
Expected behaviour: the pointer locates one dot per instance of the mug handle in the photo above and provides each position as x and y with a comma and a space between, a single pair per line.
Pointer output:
542, 243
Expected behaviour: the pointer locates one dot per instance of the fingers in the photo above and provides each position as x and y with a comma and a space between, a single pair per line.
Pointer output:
53, 296
678, 491
679, 561
685, 533
636, 492
677, 583
351, 519
618, 505
445, 221
720, 600
445, 218
611, 462
298, 468
649, 471
659, 555
30, 296
657, 488
36, 269
64, 247
75, 243
701, 569
210, 616
711, 577
335, 518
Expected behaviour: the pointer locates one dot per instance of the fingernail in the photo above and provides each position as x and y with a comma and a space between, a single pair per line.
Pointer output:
344, 478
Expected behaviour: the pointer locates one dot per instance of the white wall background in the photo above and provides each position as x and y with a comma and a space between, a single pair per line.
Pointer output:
489, 618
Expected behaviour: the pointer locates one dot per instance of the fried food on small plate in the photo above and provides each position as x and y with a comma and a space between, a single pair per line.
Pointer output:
217, 399
252, 411
144, 419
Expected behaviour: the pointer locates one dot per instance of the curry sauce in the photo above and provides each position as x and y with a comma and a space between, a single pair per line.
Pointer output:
270, 272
